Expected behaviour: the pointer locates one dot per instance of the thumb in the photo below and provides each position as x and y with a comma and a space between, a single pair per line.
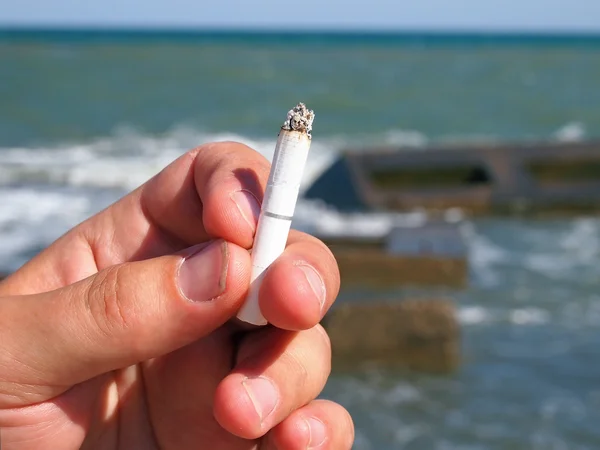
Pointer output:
120, 316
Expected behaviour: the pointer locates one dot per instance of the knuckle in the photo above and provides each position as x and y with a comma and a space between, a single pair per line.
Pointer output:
107, 301
309, 361
297, 366
324, 337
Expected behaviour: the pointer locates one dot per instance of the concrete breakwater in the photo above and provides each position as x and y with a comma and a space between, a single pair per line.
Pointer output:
414, 334
528, 177
522, 178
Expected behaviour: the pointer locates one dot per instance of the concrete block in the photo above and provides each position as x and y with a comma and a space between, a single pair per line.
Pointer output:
432, 254
419, 335
374, 269
534, 178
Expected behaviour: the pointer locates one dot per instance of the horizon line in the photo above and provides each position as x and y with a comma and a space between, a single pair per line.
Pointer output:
323, 30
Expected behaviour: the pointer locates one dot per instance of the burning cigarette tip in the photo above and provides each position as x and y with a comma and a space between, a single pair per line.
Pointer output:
300, 119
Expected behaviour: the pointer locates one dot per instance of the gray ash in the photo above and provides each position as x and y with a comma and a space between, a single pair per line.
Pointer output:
300, 118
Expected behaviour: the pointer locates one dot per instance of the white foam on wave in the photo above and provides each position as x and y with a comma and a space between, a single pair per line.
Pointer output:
549, 264
408, 138
559, 251
574, 249
570, 132
128, 158
26, 205
473, 315
582, 241
482, 251
585, 311
32, 218
484, 255
314, 216
529, 316
481, 315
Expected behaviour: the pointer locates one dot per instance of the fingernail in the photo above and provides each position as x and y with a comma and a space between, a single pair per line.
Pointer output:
317, 432
314, 280
263, 394
203, 274
248, 205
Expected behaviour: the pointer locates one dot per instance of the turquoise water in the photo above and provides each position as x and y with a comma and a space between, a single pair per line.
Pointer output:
85, 117
502, 90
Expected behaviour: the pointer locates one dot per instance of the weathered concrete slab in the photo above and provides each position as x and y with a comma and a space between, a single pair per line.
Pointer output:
433, 254
480, 179
419, 335
376, 269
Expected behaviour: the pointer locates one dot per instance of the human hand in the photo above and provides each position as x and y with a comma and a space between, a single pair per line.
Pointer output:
120, 334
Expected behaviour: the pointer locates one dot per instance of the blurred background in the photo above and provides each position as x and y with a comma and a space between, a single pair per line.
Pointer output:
453, 170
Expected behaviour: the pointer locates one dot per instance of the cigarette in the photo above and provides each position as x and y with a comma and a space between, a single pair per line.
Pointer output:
279, 202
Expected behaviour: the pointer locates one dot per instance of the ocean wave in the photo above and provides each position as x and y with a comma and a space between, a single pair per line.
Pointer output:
473, 315
128, 158
484, 255
30, 219
480, 315
409, 138
582, 240
529, 316
317, 217
570, 132
576, 248
583, 311
54, 187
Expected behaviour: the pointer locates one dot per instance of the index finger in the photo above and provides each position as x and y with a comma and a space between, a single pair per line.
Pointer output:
216, 195
189, 202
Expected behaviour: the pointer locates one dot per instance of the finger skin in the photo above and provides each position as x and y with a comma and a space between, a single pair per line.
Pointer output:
221, 170
286, 297
119, 317
297, 364
294, 432
196, 190
180, 388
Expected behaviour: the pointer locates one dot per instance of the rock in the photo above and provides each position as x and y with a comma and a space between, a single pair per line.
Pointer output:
419, 335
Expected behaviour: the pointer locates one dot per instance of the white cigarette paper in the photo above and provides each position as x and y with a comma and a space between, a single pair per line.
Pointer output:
278, 204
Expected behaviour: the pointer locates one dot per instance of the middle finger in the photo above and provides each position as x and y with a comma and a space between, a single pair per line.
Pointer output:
301, 285
276, 372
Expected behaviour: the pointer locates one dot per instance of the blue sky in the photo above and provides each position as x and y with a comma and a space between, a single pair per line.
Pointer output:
532, 15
